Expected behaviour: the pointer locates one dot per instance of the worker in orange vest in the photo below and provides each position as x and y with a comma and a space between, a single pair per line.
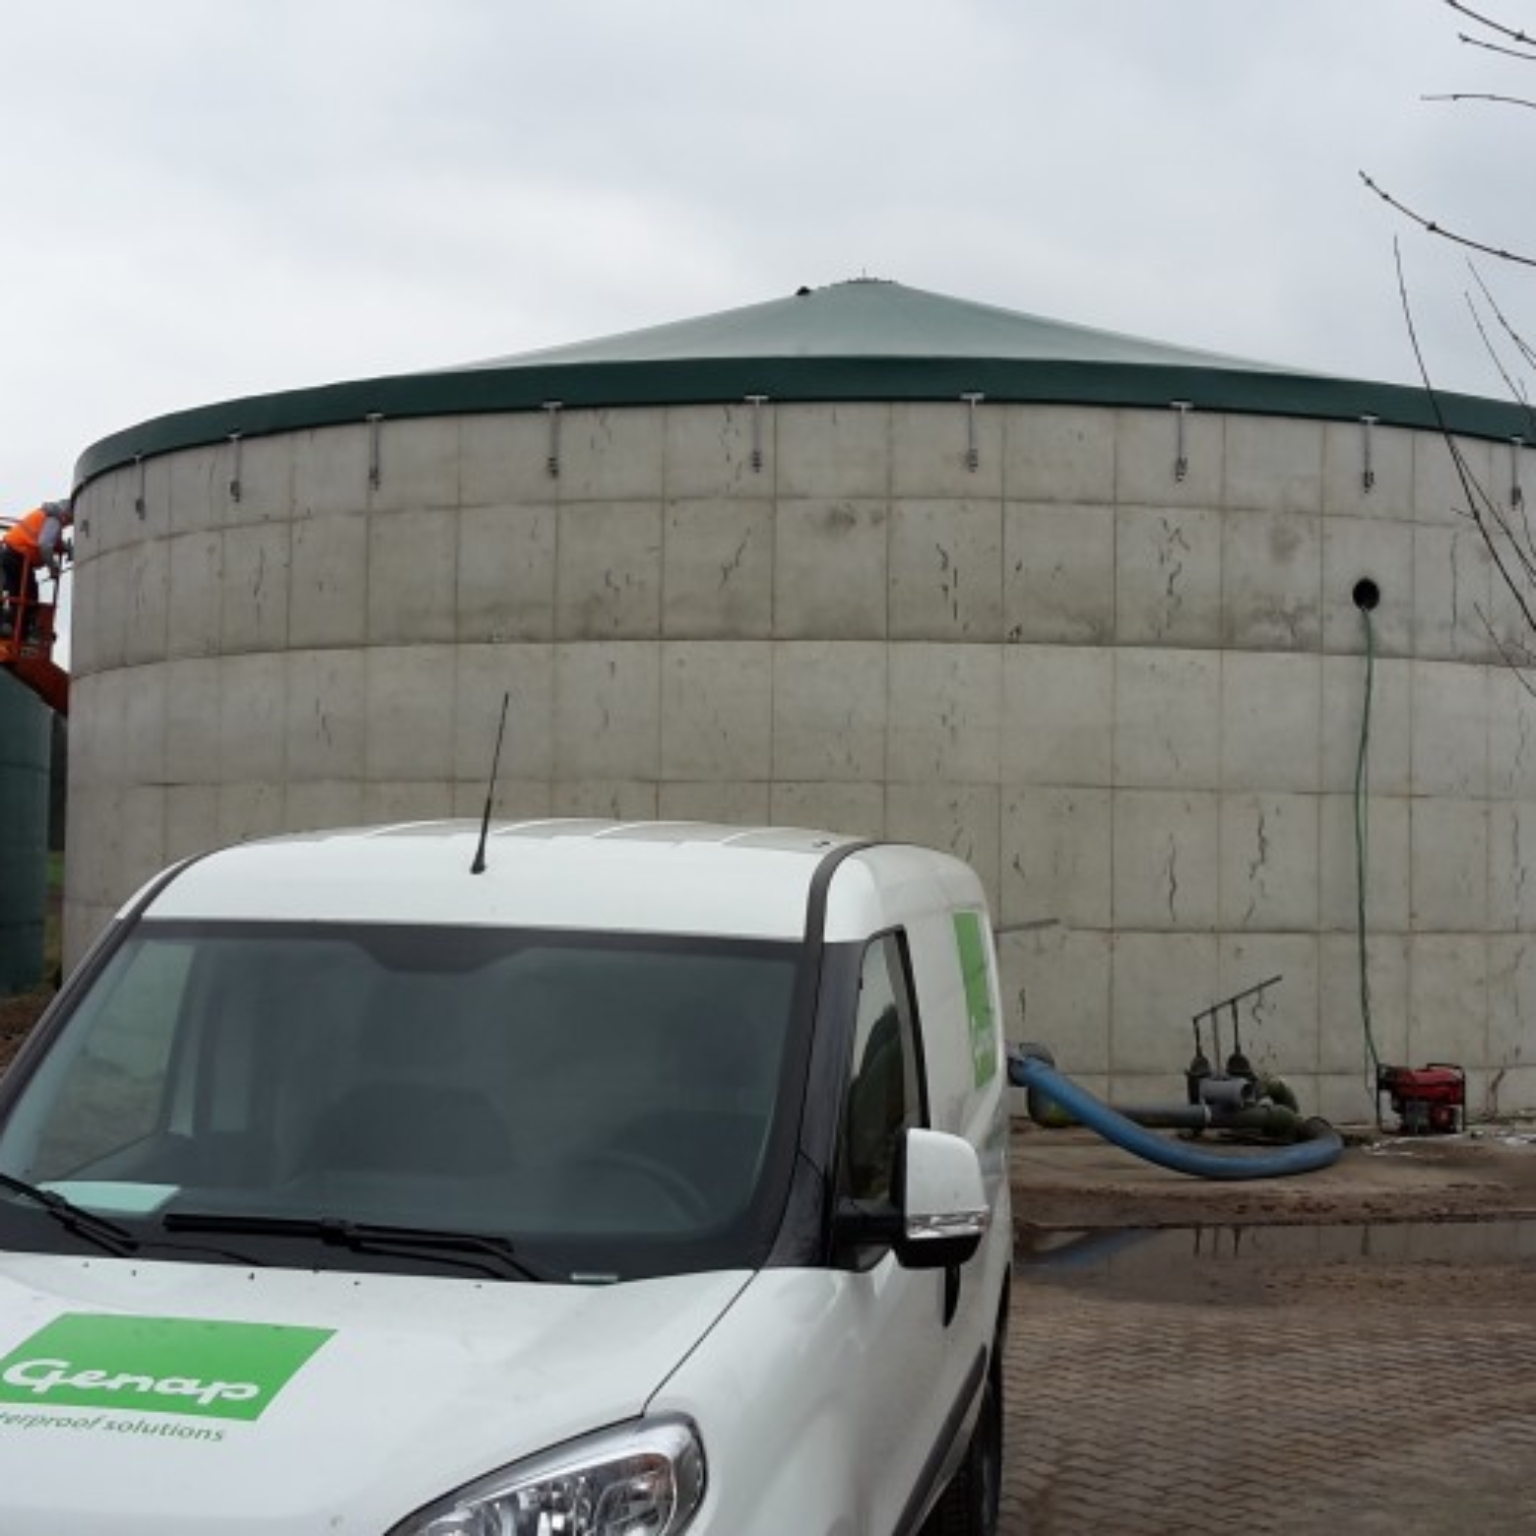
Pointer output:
34, 540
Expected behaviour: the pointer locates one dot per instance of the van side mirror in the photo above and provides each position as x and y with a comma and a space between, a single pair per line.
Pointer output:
940, 1210
944, 1201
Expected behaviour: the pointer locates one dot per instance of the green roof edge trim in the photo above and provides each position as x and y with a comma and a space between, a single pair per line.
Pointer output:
806, 380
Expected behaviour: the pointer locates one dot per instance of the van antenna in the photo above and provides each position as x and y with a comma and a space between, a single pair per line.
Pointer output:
478, 867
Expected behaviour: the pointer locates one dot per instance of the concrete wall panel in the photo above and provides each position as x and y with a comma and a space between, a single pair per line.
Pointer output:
944, 709
831, 564
613, 455
1058, 574
330, 471
830, 711
1167, 718
506, 575
328, 603
1166, 860
932, 451
1271, 581
708, 452
835, 450
1367, 481
1271, 722
1269, 862
1060, 455
1057, 858
716, 710
1272, 465
256, 577
1058, 718
1167, 576
1355, 549
1388, 882
413, 568
325, 720
414, 465
504, 461
608, 571
717, 570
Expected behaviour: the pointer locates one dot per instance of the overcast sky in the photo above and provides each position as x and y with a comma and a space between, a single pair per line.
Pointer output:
212, 198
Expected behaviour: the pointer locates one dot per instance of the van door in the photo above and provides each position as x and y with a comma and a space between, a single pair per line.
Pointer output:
897, 1314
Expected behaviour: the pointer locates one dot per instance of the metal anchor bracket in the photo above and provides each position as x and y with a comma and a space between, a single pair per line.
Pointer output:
757, 402
972, 448
1181, 448
552, 409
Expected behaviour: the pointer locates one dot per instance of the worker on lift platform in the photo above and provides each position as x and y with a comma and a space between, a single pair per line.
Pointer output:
32, 541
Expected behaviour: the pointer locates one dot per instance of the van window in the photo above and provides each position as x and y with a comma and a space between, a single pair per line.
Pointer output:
608, 1102
885, 1085
111, 1087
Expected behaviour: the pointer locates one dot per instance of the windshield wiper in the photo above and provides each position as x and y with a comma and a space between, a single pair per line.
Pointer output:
98, 1229
486, 1252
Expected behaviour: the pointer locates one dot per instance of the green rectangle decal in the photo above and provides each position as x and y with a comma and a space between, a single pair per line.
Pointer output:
971, 942
177, 1365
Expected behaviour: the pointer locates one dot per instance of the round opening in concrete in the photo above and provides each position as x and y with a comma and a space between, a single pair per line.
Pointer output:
1366, 594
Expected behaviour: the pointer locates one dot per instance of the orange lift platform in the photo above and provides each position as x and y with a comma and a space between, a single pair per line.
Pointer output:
26, 647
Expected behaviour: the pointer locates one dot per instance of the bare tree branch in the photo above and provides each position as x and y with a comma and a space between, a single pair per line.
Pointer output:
1512, 33
1477, 499
1502, 519
1516, 387
1432, 227
1510, 383
1509, 53
1508, 101
1516, 339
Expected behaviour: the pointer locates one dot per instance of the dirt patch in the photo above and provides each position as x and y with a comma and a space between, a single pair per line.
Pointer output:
1069, 1180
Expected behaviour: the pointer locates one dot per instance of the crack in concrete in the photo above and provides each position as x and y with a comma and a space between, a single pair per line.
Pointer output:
1173, 538
1455, 592
730, 567
1518, 870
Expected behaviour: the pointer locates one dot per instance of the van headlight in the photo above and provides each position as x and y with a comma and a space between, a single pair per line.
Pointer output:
646, 1479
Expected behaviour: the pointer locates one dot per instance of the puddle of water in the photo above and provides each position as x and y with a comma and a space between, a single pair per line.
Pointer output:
1150, 1253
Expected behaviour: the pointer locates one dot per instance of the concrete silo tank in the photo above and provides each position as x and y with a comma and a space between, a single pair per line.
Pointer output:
1076, 606
25, 726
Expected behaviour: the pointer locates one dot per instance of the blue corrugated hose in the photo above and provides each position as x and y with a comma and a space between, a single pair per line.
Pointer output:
1321, 1147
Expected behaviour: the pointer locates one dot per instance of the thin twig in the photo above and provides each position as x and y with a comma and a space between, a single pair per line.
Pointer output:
1508, 101
1432, 227
1493, 354
1493, 26
1521, 345
1509, 53
1469, 487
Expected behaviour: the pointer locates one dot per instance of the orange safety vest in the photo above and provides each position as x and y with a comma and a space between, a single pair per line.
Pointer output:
25, 536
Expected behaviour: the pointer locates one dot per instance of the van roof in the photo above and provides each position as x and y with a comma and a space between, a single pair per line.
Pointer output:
647, 877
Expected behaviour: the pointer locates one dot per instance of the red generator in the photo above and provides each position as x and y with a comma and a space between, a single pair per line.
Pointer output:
1428, 1101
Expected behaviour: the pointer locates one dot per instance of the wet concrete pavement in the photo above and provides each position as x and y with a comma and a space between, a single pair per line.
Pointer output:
1353, 1351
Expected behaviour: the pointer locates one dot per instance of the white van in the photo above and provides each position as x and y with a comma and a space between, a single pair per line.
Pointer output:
649, 1179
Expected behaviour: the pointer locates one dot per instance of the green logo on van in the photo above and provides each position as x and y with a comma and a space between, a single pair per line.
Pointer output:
971, 943
157, 1364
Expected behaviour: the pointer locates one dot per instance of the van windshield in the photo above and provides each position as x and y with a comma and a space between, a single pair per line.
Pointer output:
610, 1105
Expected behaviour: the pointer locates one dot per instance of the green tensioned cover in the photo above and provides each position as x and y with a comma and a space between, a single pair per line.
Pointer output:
862, 340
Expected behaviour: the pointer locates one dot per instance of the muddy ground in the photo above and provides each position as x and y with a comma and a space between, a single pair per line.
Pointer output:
1350, 1351
1071, 1180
